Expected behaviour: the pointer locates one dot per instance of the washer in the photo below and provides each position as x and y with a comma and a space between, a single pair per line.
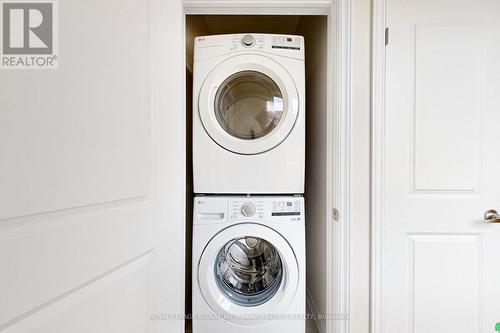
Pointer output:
248, 264
249, 114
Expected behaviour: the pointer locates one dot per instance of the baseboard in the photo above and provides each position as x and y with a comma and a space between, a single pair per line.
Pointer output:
312, 308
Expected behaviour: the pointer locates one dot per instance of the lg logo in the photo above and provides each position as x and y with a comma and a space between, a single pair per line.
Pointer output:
28, 28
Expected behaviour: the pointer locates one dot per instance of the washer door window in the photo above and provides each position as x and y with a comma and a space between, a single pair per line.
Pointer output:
248, 270
248, 104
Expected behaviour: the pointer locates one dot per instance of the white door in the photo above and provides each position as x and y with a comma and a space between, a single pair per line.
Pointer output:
91, 175
441, 261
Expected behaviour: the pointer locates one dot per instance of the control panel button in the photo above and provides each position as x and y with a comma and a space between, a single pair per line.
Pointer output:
247, 209
247, 40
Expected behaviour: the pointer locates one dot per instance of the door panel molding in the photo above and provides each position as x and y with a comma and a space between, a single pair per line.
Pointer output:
57, 306
437, 252
42, 261
72, 211
436, 50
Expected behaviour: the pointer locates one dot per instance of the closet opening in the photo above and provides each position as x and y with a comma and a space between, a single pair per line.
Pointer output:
318, 206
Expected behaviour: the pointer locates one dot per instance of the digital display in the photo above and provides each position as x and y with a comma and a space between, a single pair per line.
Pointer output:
286, 208
286, 43
285, 213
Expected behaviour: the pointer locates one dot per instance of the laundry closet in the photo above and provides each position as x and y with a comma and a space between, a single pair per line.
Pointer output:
314, 30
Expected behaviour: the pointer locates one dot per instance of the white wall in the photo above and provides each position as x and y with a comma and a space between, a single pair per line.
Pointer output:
314, 30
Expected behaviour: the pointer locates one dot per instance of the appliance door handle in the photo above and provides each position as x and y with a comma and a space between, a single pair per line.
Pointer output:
492, 216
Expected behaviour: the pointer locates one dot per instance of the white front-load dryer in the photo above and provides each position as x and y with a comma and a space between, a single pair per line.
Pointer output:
248, 264
249, 114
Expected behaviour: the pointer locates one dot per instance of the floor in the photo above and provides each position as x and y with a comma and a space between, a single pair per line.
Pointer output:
310, 327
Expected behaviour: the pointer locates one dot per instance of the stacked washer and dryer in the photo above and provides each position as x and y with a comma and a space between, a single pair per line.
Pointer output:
248, 167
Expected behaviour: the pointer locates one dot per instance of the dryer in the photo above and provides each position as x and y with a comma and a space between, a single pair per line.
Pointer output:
249, 114
248, 264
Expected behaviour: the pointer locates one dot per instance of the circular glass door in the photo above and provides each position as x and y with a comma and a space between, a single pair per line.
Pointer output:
248, 105
248, 270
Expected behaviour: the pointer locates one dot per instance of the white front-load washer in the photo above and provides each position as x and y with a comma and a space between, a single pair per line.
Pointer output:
249, 114
248, 264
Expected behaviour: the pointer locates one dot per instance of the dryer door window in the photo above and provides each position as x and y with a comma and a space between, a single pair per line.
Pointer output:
248, 105
248, 270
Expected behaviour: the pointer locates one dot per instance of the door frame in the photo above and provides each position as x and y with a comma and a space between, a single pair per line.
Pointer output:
338, 138
377, 197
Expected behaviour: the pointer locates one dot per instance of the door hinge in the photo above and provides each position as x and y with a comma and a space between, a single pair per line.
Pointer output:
335, 214
386, 36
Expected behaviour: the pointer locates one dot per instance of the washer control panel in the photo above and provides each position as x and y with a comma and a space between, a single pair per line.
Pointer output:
259, 208
265, 208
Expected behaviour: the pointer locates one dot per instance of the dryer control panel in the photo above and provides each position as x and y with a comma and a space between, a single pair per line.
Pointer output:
286, 42
291, 46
